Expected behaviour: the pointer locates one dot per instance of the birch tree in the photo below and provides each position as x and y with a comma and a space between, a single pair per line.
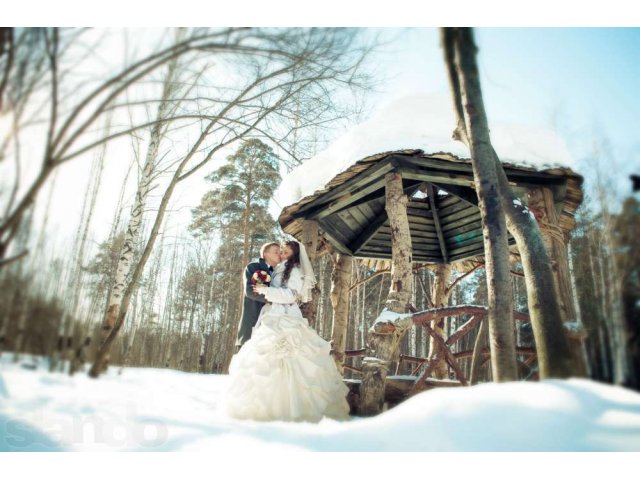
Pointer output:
145, 179
276, 70
39, 88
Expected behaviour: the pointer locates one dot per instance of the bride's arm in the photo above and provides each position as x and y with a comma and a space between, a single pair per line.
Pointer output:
286, 294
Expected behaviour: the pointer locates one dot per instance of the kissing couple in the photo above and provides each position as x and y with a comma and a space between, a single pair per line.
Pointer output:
282, 369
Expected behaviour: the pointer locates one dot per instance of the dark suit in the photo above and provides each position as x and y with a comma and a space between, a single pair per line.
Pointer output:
252, 303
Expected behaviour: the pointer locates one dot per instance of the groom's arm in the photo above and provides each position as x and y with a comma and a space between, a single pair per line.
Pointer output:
248, 288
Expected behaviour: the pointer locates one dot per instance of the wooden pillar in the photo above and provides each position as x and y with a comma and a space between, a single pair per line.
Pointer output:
310, 241
383, 338
340, 278
401, 248
541, 203
440, 297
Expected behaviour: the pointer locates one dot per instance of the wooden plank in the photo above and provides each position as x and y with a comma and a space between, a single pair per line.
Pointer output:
468, 248
448, 226
458, 214
346, 200
330, 235
422, 247
414, 219
419, 212
454, 208
447, 201
419, 205
436, 220
385, 232
465, 239
374, 172
431, 242
462, 229
354, 224
434, 177
369, 232
368, 210
432, 163
465, 194
411, 186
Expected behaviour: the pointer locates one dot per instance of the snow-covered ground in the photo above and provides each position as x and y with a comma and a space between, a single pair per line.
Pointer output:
143, 409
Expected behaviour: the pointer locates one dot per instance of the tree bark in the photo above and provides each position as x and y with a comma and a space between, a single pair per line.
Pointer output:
310, 241
401, 248
440, 297
460, 52
554, 356
137, 211
383, 339
340, 302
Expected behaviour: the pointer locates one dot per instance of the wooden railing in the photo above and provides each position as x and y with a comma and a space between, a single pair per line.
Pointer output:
443, 347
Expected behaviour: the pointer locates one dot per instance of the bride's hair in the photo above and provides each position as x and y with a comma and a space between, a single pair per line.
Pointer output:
294, 260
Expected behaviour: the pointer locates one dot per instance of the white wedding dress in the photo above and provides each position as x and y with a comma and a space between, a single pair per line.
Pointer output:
284, 371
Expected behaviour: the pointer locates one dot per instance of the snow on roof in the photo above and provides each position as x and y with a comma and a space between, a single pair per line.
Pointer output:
424, 122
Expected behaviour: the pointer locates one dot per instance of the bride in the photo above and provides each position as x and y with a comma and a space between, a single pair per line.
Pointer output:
284, 371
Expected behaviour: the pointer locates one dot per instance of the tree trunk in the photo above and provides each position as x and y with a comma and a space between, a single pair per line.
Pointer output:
460, 56
401, 248
340, 302
383, 339
310, 241
440, 298
137, 211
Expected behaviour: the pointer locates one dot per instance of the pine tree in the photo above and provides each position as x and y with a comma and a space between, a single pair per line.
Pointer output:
237, 210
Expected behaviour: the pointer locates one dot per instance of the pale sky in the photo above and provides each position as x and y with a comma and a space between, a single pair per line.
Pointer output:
580, 83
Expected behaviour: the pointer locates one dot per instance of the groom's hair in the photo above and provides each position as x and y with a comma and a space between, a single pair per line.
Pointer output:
267, 246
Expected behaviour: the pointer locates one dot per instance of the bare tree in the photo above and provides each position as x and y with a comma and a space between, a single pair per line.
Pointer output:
554, 355
472, 120
280, 69
44, 58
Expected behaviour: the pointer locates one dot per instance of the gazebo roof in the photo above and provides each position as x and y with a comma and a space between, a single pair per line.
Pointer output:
443, 212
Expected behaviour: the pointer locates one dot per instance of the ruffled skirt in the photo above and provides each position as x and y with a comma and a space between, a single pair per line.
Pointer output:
285, 372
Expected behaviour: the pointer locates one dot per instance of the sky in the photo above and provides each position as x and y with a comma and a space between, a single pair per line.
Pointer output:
579, 83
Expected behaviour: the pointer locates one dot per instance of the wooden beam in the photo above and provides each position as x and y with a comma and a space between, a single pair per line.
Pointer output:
371, 174
369, 233
337, 244
436, 220
377, 195
411, 173
466, 194
327, 209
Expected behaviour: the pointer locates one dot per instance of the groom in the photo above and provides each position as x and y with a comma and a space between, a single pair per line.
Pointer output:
253, 302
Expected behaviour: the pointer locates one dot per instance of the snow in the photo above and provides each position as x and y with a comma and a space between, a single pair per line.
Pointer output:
387, 316
420, 121
145, 409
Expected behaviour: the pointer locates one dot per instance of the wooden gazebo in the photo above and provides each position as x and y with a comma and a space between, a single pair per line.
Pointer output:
350, 215
443, 212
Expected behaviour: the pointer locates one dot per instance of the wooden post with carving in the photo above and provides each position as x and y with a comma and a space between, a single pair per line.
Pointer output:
383, 337
542, 204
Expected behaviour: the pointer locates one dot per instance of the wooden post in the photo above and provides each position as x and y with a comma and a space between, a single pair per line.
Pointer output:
383, 339
541, 203
401, 248
340, 278
310, 241
440, 298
